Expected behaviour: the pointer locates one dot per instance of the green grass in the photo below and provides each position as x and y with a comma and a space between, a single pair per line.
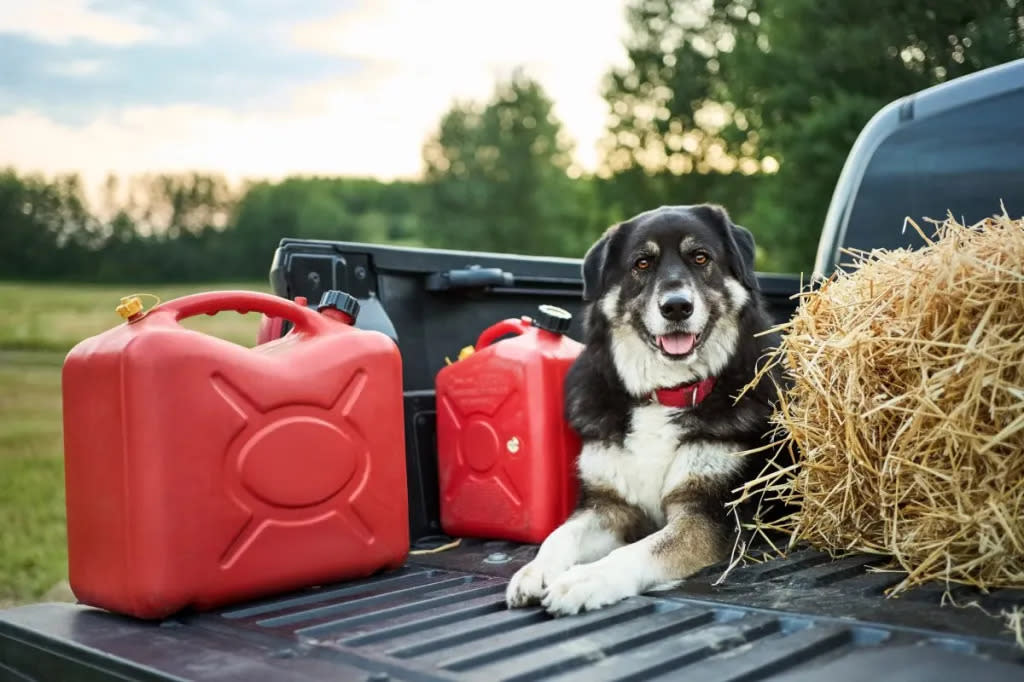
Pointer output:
33, 555
56, 317
38, 325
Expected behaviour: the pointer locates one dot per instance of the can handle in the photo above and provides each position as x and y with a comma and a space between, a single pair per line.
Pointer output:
509, 326
212, 302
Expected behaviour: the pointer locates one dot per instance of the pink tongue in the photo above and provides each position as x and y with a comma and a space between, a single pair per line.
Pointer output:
677, 344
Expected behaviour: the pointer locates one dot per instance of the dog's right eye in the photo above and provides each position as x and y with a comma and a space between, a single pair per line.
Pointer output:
642, 263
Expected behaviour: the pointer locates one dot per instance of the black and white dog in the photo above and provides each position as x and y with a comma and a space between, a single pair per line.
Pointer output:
669, 343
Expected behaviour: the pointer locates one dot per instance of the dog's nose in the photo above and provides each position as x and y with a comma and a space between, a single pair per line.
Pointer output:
676, 307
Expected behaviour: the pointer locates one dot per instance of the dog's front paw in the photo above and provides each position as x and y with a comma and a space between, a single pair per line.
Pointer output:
528, 584
585, 588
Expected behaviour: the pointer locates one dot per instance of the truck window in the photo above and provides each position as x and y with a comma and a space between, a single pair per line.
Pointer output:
965, 160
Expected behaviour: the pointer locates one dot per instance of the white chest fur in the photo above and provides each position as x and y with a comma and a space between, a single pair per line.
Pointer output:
651, 462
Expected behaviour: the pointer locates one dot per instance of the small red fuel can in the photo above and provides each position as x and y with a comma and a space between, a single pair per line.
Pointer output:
506, 455
200, 472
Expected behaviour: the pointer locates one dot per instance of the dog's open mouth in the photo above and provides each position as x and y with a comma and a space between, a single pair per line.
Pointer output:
677, 345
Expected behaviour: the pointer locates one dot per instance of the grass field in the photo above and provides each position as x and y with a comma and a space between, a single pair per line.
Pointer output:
38, 325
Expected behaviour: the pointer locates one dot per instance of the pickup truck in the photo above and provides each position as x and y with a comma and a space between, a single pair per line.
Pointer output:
958, 146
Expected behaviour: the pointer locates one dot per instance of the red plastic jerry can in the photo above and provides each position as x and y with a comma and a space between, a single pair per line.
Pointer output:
201, 473
506, 456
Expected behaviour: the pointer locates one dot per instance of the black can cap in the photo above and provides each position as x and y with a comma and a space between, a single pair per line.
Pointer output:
341, 301
553, 319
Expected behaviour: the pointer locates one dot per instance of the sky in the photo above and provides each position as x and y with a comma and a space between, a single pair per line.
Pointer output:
268, 88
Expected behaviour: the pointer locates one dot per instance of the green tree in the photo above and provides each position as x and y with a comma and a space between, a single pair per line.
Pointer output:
497, 176
188, 227
46, 229
671, 104
786, 83
171, 205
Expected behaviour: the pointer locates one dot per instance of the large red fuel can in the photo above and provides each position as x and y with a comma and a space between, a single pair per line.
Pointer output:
506, 455
200, 472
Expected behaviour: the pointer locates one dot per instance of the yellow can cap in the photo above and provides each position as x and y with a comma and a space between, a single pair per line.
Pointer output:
130, 307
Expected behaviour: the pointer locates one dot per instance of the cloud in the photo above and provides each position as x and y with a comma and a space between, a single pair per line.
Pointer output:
240, 72
259, 89
457, 48
60, 21
186, 22
351, 134
468, 32
132, 53
77, 68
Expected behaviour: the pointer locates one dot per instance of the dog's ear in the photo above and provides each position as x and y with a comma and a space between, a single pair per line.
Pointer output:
595, 265
744, 239
739, 243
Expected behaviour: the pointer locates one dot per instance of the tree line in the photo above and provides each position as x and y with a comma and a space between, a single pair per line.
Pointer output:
753, 104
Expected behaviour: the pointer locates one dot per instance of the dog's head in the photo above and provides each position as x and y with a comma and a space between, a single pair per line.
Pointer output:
671, 284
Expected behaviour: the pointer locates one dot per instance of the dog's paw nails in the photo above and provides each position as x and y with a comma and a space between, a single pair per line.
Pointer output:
526, 586
583, 588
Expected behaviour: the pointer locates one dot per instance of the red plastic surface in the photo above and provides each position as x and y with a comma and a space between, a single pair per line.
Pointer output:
200, 472
273, 327
270, 328
506, 456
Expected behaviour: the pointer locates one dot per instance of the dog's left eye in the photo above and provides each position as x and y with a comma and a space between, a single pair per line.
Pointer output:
642, 263
701, 258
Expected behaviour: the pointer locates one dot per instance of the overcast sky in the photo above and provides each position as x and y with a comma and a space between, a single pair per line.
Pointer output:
271, 87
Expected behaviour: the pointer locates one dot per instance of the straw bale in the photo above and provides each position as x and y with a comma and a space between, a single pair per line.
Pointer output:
900, 423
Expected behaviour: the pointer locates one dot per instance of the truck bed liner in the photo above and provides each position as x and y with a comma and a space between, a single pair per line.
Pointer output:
442, 617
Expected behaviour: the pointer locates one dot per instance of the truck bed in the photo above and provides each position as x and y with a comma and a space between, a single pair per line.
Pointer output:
442, 617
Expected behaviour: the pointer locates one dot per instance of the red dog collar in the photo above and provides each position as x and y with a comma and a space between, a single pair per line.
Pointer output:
687, 395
